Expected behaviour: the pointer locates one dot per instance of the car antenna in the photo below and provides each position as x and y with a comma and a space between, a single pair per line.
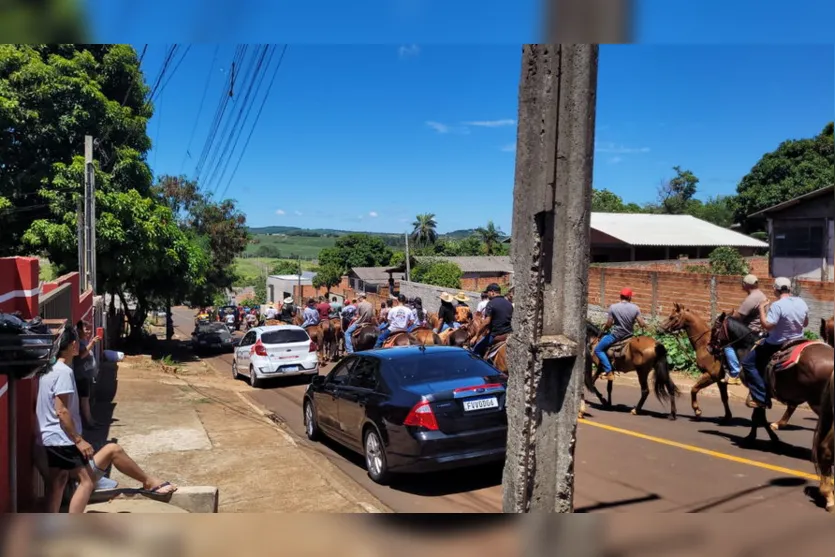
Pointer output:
422, 347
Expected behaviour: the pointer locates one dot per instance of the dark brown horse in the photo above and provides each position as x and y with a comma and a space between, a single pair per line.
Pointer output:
827, 333
339, 336
315, 334
365, 337
823, 451
642, 355
401, 338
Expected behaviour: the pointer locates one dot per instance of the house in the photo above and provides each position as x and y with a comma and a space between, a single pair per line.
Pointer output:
280, 287
371, 279
622, 237
800, 233
476, 271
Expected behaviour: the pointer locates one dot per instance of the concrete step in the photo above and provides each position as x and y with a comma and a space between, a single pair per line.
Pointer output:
134, 505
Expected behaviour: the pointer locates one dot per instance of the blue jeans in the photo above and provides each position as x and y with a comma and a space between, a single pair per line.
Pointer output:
382, 338
733, 361
751, 363
444, 327
600, 352
383, 325
349, 346
480, 348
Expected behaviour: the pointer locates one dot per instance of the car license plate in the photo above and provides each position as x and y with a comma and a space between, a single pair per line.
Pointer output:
481, 404
291, 368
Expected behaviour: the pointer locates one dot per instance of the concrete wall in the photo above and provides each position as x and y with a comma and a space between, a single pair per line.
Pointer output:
477, 282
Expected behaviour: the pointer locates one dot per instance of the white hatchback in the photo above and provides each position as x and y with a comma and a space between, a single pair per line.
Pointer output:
275, 351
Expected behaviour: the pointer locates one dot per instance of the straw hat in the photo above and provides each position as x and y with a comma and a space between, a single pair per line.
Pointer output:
288, 300
461, 297
447, 297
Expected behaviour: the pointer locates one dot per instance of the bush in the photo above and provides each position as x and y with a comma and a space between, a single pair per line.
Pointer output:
727, 261
437, 273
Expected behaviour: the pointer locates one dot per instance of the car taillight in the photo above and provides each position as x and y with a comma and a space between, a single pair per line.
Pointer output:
422, 416
313, 347
260, 350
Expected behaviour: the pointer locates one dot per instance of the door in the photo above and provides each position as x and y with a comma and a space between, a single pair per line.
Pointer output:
327, 411
354, 399
242, 352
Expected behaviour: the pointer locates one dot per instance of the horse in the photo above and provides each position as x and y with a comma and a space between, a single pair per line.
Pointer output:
823, 451
365, 337
640, 354
330, 342
316, 335
426, 336
729, 331
401, 338
433, 320
827, 333
339, 334
698, 332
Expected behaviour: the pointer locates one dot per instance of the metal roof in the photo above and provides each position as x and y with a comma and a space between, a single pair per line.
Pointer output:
638, 229
477, 263
374, 274
795, 201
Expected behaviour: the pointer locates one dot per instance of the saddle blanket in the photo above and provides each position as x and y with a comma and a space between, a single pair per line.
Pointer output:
790, 354
617, 349
494, 350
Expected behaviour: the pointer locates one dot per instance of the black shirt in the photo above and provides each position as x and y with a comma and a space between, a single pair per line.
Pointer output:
447, 314
500, 312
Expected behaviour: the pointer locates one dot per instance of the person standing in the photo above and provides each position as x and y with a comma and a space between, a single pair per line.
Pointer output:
482, 305
365, 316
620, 325
85, 368
399, 320
497, 321
749, 314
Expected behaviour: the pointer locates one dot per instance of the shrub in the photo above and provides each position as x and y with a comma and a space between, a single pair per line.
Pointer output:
727, 261
437, 273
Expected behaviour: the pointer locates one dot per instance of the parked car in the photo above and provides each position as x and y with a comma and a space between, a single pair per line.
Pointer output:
209, 335
411, 409
275, 351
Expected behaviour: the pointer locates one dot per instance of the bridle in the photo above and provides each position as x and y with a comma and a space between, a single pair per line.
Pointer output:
724, 327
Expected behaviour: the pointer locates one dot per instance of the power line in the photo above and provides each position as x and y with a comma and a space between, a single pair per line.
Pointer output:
257, 117
200, 109
173, 71
166, 62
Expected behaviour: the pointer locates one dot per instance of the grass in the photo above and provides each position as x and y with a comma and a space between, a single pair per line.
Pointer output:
46, 270
305, 247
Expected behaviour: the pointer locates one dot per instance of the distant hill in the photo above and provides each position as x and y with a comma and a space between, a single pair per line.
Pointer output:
311, 232
459, 234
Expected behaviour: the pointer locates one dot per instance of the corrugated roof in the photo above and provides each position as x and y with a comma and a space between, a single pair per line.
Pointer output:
478, 263
669, 230
795, 201
374, 274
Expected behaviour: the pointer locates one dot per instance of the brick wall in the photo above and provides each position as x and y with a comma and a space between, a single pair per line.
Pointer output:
479, 283
756, 265
430, 294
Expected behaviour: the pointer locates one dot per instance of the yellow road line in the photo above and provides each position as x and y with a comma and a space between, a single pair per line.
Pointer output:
707, 452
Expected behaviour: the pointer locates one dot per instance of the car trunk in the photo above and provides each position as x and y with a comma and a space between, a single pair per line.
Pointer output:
466, 404
287, 347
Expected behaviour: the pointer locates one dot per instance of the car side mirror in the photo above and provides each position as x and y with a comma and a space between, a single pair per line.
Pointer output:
318, 381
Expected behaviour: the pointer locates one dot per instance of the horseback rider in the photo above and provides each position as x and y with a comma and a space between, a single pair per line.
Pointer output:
324, 308
311, 314
399, 318
620, 325
497, 321
335, 309
348, 313
482, 304
749, 314
784, 321
365, 315
418, 315
288, 310
446, 313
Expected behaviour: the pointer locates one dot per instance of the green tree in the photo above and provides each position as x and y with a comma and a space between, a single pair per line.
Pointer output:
286, 267
397, 258
675, 195
717, 210
327, 277
424, 232
471, 245
438, 273
491, 237
796, 167
47, 21
51, 95
727, 261
356, 250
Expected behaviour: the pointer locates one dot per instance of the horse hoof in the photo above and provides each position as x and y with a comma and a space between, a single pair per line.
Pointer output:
831, 508
634, 412
672, 417
775, 426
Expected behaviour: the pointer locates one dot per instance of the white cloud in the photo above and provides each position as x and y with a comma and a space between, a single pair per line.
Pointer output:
509, 148
609, 147
280, 212
373, 214
299, 213
615, 160
407, 51
438, 127
491, 123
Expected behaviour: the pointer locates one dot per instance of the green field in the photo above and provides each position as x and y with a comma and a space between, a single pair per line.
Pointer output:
251, 269
306, 247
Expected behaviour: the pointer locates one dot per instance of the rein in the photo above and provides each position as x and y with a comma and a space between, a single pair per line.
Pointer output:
728, 336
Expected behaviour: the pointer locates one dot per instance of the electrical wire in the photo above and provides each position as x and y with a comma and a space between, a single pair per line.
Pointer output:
200, 109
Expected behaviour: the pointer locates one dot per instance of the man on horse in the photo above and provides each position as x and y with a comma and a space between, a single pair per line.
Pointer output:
399, 318
749, 314
418, 315
497, 321
620, 325
335, 309
784, 321
324, 309
365, 315
288, 311
311, 315
348, 313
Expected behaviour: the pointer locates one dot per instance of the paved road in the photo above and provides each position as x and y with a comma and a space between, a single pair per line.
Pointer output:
624, 463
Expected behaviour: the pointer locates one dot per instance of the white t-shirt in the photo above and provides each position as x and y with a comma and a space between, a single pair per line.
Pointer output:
481, 305
58, 381
398, 318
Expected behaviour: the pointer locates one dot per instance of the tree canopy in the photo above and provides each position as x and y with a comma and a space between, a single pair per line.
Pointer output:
356, 250
438, 273
424, 232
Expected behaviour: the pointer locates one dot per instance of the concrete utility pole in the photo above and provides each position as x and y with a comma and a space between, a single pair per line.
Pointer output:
87, 269
408, 264
551, 216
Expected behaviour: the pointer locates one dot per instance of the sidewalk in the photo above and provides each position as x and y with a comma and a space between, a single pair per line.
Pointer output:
191, 428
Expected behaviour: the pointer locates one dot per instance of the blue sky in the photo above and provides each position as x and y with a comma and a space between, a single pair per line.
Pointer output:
365, 137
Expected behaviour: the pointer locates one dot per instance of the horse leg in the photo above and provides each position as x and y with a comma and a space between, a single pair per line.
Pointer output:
723, 394
598, 394
705, 380
757, 420
609, 385
785, 419
643, 376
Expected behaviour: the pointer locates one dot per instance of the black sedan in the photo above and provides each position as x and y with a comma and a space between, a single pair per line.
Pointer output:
411, 409
212, 336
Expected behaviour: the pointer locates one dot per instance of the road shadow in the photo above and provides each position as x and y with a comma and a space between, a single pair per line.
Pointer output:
763, 445
735, 421
618, 504
780, 483
626, 409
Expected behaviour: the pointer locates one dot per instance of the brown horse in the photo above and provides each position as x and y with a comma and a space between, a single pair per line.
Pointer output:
315, 334
330, 341
642, 355
401, 338
433, 320
827, 333
426, 336
339, 334
365, 337
823, 451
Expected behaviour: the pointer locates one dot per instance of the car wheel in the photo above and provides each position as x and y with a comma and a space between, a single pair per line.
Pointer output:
235, 373
375, 457
311, 428
254, 382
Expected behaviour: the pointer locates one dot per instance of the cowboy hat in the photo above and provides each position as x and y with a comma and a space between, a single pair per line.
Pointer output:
447, 297
461, 297
288, 300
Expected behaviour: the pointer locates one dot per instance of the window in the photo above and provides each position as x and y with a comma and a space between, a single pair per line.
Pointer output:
440, 366
799, 239
284, 336
248, 339
363, 375
340, 373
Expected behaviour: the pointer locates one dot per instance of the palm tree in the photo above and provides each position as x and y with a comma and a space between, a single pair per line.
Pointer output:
424, 232
491, 235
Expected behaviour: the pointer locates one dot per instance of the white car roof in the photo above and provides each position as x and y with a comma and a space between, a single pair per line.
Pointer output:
268, 328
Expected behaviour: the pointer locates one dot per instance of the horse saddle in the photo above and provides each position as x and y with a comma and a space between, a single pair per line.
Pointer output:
789, 355
498, 342
389, 343
359, 329
270, 322
618, 349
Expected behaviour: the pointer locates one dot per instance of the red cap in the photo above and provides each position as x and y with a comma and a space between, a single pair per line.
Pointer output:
626, 293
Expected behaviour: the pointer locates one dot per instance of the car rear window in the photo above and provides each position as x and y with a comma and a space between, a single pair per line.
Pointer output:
425, 368
284, 336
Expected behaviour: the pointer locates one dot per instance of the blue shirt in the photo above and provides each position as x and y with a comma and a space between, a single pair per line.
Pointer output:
789, 316
311, 317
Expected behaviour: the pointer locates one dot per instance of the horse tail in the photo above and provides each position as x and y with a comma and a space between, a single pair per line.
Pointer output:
825, 431
663, 384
